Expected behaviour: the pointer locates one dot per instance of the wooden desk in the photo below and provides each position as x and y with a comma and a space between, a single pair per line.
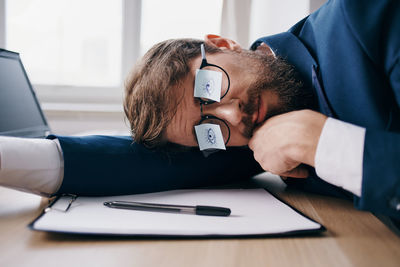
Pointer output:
353, 238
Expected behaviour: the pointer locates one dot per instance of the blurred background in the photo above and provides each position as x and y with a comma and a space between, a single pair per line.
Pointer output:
77, 53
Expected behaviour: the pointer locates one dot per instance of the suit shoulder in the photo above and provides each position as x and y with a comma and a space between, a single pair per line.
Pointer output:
375, 24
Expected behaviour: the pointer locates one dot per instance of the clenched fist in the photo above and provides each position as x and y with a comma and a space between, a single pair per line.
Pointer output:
286, 141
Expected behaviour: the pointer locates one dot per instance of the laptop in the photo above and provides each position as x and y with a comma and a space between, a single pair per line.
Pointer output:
20, 112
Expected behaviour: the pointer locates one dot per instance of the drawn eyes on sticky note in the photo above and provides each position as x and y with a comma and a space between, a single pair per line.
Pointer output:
208, 85
209, 136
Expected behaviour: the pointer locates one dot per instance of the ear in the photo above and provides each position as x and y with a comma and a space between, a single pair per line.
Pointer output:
221, 42
264, 48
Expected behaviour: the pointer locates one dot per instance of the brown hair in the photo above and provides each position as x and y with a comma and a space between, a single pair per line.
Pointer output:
150, 91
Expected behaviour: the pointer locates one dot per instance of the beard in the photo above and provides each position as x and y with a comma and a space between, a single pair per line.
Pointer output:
273, 74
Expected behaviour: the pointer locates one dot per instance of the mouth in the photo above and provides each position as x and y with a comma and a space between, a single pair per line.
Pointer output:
257, 113
261, 110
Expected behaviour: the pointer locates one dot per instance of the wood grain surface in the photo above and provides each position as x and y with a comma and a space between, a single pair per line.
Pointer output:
353, 238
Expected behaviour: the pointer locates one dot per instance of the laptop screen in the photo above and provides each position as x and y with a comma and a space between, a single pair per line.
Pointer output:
20, 113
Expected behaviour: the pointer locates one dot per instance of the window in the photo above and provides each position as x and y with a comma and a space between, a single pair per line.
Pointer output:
67, 42
81, 51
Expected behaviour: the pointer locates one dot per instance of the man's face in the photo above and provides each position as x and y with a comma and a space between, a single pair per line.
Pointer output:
248, 103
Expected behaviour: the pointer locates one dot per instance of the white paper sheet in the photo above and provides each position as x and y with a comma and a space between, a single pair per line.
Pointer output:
254, 212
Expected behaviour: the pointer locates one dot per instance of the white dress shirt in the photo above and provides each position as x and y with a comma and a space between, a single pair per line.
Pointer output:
37, 165
339, 155
31, 165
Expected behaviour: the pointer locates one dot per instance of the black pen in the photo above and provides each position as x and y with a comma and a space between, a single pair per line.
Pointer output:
198, 210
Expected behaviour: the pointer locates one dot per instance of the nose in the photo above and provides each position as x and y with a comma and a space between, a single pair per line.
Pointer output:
229, 111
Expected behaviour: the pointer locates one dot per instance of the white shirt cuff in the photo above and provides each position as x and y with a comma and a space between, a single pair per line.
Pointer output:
31, 165
339, 155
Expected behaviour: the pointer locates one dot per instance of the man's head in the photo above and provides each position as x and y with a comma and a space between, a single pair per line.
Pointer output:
159, 100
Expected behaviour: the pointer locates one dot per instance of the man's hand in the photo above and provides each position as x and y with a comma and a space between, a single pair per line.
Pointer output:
286, 141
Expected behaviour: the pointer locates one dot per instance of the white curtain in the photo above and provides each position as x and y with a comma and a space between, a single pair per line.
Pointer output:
235, 20
2, 24
246, 20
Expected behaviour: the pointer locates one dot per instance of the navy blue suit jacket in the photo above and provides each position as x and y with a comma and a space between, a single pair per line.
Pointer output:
115, 165
347, 52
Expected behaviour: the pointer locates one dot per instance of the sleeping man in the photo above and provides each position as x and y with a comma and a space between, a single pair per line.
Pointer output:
317, 105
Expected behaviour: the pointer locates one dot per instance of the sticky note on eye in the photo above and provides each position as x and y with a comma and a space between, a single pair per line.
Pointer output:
209, 136
208, 84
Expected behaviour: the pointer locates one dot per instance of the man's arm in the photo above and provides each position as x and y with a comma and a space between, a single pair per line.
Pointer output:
285, 142
113, 165
381, 173
283, 154
31, 165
